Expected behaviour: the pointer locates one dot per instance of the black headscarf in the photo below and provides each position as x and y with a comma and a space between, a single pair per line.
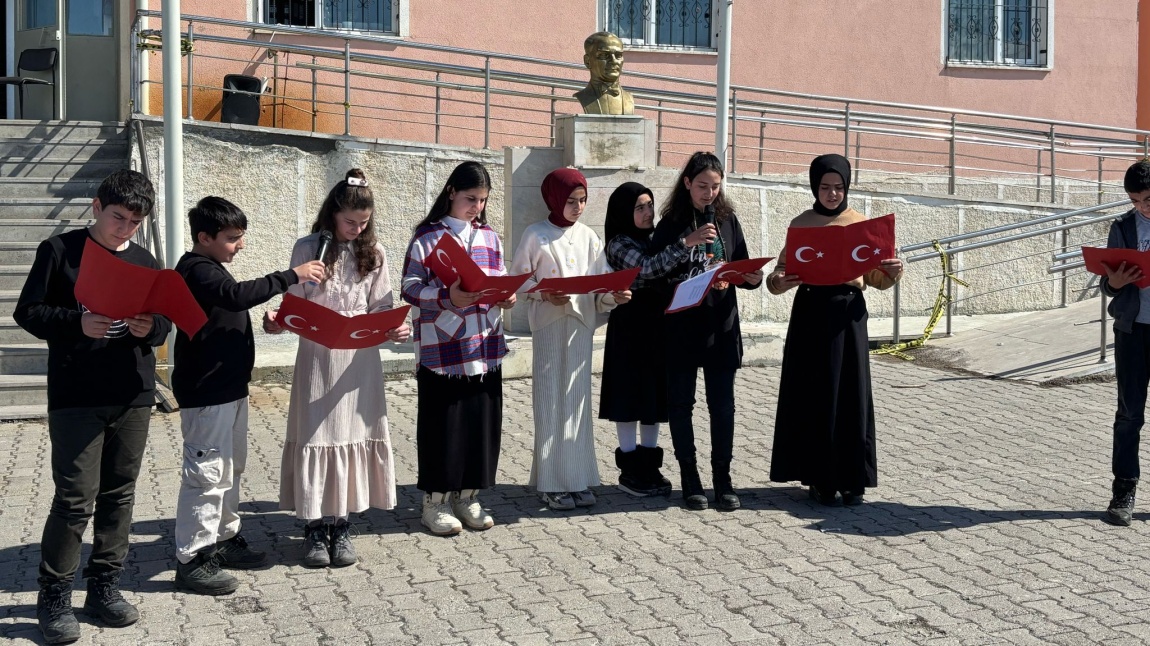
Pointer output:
822, 165
621, 212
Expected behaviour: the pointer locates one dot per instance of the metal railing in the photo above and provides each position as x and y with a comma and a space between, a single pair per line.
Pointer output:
434, 93
147, 237
1063, 224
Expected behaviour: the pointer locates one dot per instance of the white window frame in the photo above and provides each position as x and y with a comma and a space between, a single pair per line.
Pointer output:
398, 19
1036, 61
651, 30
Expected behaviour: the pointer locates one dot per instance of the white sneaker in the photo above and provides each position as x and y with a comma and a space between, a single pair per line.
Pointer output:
465, 505
437, 517
583, 498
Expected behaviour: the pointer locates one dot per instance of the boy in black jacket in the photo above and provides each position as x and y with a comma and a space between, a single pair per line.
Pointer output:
1131, 311
101, 389
210, 382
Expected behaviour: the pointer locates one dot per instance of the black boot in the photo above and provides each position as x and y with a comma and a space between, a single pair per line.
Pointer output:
651, 459
105, 602
725, 497
1121, 509
54, 614
693, 494
630, 473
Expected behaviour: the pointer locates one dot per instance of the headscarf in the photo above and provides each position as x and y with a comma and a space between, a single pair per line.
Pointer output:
556, 188
621, 212
822, 165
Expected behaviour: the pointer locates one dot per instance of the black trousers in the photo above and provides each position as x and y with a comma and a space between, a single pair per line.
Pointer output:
720, 386
96, 456
1132, 369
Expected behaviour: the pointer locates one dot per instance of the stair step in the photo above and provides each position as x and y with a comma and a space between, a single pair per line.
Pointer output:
75, 208
23, 390
49, 187
33, 150
62, 169
18, 253
13, 276
21, 230
23, 359
27, 128
10, 333
23, 412
8, 298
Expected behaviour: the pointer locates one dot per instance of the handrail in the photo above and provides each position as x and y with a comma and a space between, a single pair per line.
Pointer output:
152, 244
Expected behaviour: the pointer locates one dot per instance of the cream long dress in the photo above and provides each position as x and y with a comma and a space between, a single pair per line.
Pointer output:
337, 456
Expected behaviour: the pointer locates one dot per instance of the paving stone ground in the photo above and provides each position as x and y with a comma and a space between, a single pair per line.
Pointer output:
985, 529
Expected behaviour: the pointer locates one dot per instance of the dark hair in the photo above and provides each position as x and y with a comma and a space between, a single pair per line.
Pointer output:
346, 197
214, 214
1137, 177
679, 206
620, 219
465, 177
129, 189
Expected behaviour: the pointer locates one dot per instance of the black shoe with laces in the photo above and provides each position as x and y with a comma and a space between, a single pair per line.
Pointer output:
203, 575
342, 551
54, 613
235, 554
105, 602
693, 495
316, 546
725, 497
1121, 509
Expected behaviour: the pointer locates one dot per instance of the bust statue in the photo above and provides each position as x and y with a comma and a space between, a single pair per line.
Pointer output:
604, 58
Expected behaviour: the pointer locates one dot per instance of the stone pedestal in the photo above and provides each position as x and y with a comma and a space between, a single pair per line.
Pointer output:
606, 141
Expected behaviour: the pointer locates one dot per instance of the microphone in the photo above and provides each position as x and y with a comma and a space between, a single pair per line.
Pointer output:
709, 218
321, 251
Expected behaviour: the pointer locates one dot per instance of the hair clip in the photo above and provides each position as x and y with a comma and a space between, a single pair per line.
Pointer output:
355, 181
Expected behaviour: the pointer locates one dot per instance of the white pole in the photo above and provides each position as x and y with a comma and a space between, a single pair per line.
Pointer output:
723, 82
173, 136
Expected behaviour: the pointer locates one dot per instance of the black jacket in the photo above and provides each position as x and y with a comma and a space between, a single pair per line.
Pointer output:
707, 335
84, 372
215, 366
1126, 301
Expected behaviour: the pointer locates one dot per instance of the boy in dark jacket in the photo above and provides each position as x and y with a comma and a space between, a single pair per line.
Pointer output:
101, 389
1131, 311
210, 382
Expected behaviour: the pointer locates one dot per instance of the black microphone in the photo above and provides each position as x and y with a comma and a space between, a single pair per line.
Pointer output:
709, 218
325, 242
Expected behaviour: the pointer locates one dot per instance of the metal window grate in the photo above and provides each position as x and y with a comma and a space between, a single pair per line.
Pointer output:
998, 32
345, 15
662, 23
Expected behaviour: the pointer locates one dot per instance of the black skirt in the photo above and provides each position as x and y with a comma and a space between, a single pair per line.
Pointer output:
824, 427
634, 383
458, 428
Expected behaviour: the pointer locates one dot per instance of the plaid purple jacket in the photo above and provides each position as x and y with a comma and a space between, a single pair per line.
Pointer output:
450, 340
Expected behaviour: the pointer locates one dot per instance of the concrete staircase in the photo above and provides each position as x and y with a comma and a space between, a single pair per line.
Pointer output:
49, 172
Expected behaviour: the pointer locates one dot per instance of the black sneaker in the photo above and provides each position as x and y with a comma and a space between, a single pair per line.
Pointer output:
317, 546
1121, 509
202, 575
105, 602
693, 495
54, 614
235, 554
342, 551
826, 497
853, 498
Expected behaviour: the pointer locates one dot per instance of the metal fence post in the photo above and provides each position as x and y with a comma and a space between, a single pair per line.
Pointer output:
734, 132
314, 92
275, 87
553, 105
1053, 169
1102, 345
487, 102
1038, 177
847, 130
190, 76
762, 137
858, 146
1065, 237
659, 137
1100, 161
953, 156
897, 296
346, 87
438, 103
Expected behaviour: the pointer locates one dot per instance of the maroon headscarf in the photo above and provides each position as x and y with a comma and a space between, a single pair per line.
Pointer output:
557, 187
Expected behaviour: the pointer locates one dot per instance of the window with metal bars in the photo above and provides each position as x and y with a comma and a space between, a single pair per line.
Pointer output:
341, 15
676, 24
998, 32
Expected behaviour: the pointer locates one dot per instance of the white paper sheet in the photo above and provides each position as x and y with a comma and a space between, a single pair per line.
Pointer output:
690, 292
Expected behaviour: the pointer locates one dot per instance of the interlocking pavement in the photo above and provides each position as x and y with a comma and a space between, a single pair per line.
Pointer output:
985, 529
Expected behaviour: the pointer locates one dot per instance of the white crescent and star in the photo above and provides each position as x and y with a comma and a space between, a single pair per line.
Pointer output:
288, 321
362, 334
855, 253
444, 258
799, 254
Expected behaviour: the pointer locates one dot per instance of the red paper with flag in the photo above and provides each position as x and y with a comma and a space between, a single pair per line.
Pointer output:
111, 287
1096, 257
615, 281
834, 255
448, 261
732, 272
333, 330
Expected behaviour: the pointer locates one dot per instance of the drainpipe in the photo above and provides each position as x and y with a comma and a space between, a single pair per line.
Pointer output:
723, 82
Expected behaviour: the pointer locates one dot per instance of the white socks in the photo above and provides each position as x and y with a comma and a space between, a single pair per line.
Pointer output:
648, 435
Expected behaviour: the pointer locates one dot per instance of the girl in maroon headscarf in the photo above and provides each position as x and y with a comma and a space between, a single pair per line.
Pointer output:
563, 467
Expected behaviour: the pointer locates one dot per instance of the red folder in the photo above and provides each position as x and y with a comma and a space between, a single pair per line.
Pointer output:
615, 281
111, 287
449, 261
1095, 257
333, 330
732, 272
833, 255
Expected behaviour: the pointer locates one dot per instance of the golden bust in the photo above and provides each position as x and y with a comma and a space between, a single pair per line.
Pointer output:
604, 58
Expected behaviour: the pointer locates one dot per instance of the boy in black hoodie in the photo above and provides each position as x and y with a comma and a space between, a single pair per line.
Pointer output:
101, 389
210, 382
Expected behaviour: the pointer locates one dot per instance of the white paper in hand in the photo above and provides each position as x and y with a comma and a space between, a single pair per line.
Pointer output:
690, 292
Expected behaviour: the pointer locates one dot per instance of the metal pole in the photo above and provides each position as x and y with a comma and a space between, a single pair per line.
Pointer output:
659, 137
847, 129
949, 302
438, 104
723, 79
858, 146
133, 80
190, 76
314, 90
275, 88
1038, 178
487, 102
896, 308
173, 135
1065, 236
1100, 160
347, 87
734, 130
953, 155
1053, 169
553, 105
762, 138
1102, 345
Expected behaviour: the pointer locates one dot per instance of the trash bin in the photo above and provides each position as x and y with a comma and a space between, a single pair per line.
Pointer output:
239, 107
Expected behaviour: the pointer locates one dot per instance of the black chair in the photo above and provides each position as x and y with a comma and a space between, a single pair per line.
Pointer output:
242, 98
34, 60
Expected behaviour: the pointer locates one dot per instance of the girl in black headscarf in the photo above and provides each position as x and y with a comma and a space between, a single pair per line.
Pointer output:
824, 427
634, 387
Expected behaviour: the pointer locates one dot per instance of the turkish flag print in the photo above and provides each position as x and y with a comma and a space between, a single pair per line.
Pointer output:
1098, 258
333, 330
833, 255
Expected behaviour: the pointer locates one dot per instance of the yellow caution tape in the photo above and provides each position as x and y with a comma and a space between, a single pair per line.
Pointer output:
941, 302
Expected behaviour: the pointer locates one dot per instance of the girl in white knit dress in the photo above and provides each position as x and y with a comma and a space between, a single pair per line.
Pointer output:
563, 467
